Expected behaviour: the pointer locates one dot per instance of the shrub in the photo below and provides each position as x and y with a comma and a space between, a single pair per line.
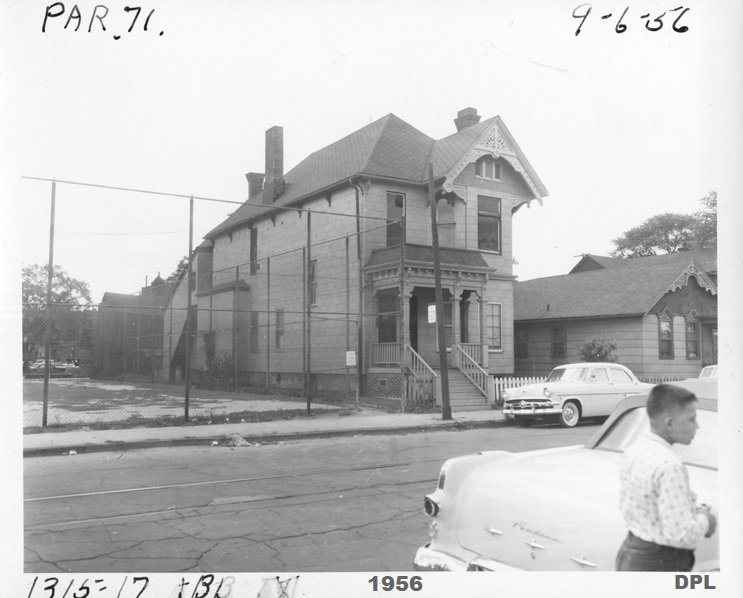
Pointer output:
598, 349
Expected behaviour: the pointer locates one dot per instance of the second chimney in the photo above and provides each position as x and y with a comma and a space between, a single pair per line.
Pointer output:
255, 183
466, 118
274, 185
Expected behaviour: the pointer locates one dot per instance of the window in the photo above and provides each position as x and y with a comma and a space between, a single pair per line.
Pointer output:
312, 278
597, 376
522, 343
665, 336
559, 342
446, 221
692, 337
253, 251
488, 223
279, 328
254, 315
488, 167
493, 325
388, 306
619, 377
395, 213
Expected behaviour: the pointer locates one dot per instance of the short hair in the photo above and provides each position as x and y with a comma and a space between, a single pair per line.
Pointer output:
665, 397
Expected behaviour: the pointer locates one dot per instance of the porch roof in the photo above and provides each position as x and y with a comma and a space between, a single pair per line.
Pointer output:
450, 257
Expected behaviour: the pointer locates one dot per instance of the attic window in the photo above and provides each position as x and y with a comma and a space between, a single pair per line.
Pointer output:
488, 167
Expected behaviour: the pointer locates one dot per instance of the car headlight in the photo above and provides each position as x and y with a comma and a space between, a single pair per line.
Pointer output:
430, 506
504, 395
547, 392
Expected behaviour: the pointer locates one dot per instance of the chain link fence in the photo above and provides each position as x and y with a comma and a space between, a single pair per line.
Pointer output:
257, 326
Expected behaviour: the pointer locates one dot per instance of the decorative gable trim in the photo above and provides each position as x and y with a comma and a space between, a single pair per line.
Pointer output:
702, 279
492, 142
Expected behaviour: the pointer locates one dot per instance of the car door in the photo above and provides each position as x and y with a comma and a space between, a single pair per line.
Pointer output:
624, 384
601, 395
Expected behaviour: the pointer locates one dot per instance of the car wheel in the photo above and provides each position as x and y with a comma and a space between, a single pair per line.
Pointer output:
570, 414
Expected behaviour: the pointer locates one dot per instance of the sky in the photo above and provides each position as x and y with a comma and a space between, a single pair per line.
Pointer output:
619, 126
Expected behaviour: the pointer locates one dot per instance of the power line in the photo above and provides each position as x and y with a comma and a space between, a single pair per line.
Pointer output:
201, 198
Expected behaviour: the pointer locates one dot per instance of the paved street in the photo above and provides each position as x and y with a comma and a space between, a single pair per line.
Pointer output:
337, 504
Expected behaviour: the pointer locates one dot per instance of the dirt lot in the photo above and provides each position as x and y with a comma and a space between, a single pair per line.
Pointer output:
75, 402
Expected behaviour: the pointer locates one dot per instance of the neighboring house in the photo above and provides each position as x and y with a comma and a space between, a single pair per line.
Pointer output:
128, 332
380, 171
661, 312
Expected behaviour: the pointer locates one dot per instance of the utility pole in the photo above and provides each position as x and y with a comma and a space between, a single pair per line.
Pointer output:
443, 366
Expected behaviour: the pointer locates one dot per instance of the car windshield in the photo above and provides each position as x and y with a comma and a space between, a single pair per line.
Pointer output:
567, 375
709, 372
634, 423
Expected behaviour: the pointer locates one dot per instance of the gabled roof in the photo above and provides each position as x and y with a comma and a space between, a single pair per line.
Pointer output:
387, 148
706, 258
110, 299
632, 287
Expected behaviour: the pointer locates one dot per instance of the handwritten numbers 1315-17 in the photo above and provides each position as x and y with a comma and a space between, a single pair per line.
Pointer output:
623, 20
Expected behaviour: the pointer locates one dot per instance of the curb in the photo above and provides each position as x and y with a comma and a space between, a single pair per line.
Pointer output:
255, 438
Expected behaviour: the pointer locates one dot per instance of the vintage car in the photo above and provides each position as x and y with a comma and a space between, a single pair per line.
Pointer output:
571, 392
557, 509
709, 371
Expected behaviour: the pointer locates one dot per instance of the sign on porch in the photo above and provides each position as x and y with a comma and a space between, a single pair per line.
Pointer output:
431, 313
350, 358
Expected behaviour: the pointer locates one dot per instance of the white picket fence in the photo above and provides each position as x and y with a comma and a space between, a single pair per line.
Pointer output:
661, 379
502, 384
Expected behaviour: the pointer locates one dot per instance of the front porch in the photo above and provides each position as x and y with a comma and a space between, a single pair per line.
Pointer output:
402, 349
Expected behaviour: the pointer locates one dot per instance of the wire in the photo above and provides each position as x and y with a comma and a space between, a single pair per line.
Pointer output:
200, 198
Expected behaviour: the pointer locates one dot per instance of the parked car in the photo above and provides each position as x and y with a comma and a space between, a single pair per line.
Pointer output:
55, 367
571, 392
557, 509
709, 371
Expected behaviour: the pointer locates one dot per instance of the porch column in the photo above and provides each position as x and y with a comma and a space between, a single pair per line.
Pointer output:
405, 323
483, 338
473, 300
456, 323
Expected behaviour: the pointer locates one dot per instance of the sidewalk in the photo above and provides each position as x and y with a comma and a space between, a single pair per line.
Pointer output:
363, 421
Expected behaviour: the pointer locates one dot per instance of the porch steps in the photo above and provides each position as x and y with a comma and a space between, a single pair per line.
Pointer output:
463, 395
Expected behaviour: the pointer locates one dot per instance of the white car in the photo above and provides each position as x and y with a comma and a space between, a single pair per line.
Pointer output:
571, 392
709, 371
557, 509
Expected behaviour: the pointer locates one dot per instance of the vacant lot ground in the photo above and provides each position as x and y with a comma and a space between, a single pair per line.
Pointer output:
75, 402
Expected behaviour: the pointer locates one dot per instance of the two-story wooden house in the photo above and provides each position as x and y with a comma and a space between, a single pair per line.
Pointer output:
335, 256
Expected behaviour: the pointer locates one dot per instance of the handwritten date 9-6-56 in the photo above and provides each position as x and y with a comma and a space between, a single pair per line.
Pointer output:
652, 23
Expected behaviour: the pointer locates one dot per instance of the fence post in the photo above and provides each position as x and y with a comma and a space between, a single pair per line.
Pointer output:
348, 320
268, 323
309, 309
236, 344
187, 370
48, 330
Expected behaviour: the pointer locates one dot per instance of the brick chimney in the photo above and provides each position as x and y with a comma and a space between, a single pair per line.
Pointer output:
255, 183
466, 118
274, 185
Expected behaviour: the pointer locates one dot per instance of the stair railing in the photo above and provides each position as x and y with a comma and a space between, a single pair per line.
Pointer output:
479, 377
422, 383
